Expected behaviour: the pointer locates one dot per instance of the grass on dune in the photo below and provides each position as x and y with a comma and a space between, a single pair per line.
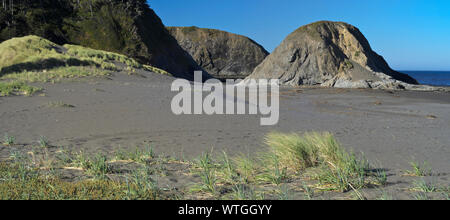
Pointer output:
56, 74
316, 156
17, 88
26, 177
295, 152
34, 59
26, 49
315, 159
310, 164
323, 159
32, 53
9, 140
419, 169
22, 183
108, 59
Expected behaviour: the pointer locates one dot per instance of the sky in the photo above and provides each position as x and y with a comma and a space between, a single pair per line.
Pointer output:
409, 34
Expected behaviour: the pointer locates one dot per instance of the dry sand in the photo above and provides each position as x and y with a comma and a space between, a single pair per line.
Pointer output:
390, 128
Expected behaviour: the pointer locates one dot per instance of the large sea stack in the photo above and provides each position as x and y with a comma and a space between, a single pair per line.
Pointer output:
221, 54
126, 27
330, 54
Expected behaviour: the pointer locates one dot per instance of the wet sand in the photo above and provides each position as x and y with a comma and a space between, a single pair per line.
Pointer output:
390, 128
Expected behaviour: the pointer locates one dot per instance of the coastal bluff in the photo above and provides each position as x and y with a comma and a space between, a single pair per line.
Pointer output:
330, 54
221, 54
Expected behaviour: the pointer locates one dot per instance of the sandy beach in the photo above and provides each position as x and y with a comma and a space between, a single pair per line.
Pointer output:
391, 128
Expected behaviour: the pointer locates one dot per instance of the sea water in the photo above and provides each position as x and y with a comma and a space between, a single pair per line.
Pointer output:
434, 78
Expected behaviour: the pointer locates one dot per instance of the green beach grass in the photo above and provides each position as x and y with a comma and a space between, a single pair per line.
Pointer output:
17, 88
313, 163
34, 59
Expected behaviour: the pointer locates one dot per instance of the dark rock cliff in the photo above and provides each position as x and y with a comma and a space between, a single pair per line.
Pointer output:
222, 54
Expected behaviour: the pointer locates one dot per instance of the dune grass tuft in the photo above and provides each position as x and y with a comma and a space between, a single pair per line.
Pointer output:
318, 156
206, 169
9, 140
31, 186
294, 152
332, 166
423, 186
137, 155
17, 88
420, 169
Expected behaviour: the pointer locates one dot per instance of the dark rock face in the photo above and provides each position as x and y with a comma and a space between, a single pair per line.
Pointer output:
331, 54
221, 54
127, 27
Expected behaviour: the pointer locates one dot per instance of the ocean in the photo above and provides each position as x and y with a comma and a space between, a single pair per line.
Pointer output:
434, 78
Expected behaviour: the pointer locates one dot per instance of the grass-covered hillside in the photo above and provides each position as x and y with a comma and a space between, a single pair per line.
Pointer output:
126, 27
34, 59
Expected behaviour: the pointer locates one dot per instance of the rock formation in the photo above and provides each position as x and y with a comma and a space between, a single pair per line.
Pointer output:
221, 54
330, 54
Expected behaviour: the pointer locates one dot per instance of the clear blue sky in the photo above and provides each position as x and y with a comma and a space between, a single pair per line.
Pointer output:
410, 34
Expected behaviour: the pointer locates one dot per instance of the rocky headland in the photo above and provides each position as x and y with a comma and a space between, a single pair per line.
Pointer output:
331, 54
221, 54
